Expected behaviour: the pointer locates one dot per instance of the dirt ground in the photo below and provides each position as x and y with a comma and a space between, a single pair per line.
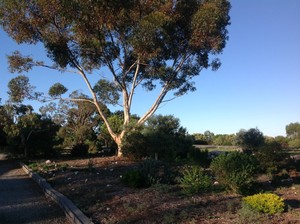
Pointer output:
95, 186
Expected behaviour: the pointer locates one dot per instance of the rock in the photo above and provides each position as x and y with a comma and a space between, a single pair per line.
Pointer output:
48, 161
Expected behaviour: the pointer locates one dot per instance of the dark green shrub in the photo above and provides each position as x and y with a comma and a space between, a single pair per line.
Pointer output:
135, 178
270, 157
195, 181
200, 157
267, 203
235, 170
79, 150
134, 145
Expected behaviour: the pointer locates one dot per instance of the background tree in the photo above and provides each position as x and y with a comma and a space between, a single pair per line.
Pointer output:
293, 134
250, 139
153, 44
199, 139
26, 132
209, 136
224, 140
80, 127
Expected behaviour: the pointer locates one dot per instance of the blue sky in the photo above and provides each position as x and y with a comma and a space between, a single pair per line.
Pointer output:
258, 84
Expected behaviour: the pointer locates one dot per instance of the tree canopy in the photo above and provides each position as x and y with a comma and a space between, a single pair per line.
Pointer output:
153, 44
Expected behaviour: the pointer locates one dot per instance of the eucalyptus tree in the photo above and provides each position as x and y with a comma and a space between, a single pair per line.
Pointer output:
154, 44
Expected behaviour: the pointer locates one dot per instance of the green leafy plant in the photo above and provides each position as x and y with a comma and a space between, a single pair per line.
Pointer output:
249, 215
135, 178
267, 203
195, 181
235, 170
199, 156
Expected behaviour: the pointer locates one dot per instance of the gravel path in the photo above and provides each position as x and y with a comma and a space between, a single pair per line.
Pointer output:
21, 199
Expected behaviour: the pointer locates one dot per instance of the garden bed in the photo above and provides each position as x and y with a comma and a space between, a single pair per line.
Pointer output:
95, 186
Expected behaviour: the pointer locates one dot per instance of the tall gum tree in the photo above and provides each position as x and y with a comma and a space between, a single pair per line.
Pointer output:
159, 44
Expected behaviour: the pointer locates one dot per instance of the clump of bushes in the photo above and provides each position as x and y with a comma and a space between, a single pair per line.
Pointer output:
135, 178
79, 150
235, 170
143, 176
194, 180
266, 203
200, 157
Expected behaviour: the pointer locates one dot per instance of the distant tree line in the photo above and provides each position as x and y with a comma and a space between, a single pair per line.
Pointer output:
75, 127
250, 138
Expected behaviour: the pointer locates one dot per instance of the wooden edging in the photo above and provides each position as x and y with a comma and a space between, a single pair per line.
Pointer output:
72, 213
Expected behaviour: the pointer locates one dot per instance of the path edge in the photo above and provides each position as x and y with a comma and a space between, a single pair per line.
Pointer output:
72, 213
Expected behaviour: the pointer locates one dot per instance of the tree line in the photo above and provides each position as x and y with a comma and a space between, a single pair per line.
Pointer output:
76, 128
253, 135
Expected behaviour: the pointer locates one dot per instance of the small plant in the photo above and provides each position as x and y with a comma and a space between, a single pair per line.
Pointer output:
267, 203
249, 215
135, 178
195, 181
33, 166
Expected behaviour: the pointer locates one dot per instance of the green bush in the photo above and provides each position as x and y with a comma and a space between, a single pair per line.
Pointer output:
235, 170
79, 150
267, 203
135, 178
195, 181
199, 157
144, 176
270, 156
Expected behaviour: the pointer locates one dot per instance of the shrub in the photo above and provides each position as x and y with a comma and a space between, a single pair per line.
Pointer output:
135, 178
134, 145
270, 156
235, 170
199, 156
144, 176
267, 203
195, 181
79, 150
249, 215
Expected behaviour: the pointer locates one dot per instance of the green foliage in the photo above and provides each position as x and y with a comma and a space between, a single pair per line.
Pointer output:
161, 137
235, 170
19, 89
250, 139
293, 130
135, 145
107, 92
294, 143
79, 126
166, 138
79, 150
195, 181
151, 173
57, 89
265, 202
149, 44
270, 156
249, 215
200, 157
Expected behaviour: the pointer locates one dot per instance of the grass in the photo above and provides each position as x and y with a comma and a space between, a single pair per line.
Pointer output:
212, 148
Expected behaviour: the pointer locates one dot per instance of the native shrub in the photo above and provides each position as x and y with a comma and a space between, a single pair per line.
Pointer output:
267, 203
195, 181
235, 170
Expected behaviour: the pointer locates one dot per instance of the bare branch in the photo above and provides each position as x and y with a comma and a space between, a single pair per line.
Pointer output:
134, 82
